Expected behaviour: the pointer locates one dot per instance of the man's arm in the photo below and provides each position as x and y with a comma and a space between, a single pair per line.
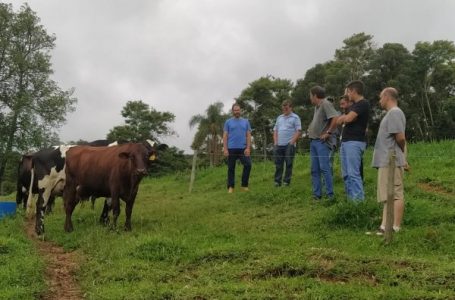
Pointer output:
400, 138
225, 148
327, 132
275, 137
248, 143
295, 137
349, 118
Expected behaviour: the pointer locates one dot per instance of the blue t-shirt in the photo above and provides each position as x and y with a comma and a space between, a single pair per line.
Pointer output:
286, 127
236, 130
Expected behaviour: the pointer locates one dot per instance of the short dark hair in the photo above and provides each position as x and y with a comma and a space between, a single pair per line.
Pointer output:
286, 102
356, 85
318, 91
234, 105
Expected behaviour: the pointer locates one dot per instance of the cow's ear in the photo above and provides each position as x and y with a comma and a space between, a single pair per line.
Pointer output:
124, 155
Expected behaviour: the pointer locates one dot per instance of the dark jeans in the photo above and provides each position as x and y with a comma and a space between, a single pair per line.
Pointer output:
283, 154
320, 167
235, 154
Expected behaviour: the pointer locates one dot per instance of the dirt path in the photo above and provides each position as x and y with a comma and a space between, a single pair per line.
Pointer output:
61, 267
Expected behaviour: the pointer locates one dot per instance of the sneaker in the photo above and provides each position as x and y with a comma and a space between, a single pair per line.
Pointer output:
380, 232
230, 190
245, 188
277, 184
286, 184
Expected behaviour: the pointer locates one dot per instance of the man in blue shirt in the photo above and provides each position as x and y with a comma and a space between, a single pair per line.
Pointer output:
237, 145
285, 134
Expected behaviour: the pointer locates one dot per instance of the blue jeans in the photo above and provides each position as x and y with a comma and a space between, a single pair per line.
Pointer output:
320, 165
235, 154
351, 153
283, 154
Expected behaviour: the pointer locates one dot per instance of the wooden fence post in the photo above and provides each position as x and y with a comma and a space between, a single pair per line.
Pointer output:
193, 171
390, 198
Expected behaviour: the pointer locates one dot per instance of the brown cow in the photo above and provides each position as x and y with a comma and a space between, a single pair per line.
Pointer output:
113, 172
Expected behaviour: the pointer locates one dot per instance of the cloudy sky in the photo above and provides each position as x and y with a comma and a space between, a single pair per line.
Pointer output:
182, 55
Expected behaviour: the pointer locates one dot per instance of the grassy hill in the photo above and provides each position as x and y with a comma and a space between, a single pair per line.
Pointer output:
268, 243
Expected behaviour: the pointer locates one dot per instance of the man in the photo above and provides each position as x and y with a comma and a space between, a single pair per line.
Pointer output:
286, 131
353, 141
237, 145
320, 133
391, 136
345, 106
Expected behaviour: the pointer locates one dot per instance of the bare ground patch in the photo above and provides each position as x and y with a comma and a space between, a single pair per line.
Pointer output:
432, 187
61, 268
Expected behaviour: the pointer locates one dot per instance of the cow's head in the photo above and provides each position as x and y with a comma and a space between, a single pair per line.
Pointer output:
153, 149
139, 156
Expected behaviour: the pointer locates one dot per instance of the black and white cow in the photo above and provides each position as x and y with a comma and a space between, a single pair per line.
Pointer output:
47, 178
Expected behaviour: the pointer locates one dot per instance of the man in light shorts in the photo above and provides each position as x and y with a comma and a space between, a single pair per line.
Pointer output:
391, 136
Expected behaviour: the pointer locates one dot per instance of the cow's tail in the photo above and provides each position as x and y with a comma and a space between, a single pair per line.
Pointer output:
30, 203
19, 191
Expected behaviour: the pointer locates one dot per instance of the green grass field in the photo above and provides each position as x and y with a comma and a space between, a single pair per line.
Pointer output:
268, 243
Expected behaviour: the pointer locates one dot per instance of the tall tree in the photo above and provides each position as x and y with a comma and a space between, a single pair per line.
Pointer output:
261, 102
209, 131
142, 122
356, 54
32, 105
435, 82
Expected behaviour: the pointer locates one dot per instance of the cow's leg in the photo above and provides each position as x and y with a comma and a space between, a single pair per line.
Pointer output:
104, 218
129, 208
69, 198
50, 204
115, 210
92, 199
39, 220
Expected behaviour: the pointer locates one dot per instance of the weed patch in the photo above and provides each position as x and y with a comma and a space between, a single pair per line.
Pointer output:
159, 250
352, 215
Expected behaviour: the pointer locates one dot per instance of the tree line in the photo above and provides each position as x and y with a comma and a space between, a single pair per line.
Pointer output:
424, 77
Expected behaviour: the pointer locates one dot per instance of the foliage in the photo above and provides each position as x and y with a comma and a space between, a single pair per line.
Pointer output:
32, 105
424, 77
169, 161
142, 122
209, 134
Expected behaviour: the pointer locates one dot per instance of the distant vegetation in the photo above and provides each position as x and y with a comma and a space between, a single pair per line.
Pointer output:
269, 243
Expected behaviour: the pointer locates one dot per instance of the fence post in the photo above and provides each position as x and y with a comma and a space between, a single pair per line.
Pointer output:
390, 198
193, 171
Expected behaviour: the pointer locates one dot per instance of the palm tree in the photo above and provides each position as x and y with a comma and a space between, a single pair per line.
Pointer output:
210, 131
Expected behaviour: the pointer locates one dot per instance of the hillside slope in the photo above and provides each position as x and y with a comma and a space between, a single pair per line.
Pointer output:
269, 243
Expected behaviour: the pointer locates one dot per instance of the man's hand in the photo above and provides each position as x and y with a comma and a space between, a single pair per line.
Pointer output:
226, 152
247, 152
407, 167
324, 136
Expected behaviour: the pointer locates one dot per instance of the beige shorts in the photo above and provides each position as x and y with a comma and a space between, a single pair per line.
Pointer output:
383, 178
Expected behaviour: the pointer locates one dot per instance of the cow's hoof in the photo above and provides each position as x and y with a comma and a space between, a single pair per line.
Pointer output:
39, 230
104, 221
127, 228
68, 228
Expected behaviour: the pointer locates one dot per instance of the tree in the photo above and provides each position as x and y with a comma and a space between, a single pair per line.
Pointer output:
142, 122
32, 105
434, 74
261, 101
209, 131
356, 54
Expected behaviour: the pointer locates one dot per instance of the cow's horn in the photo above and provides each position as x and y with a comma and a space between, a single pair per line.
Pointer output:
151, 143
